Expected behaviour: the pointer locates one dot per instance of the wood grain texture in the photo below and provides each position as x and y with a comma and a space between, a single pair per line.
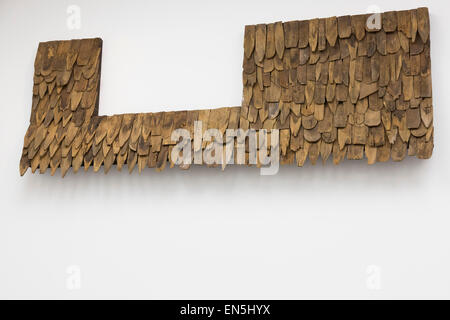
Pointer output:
334, 89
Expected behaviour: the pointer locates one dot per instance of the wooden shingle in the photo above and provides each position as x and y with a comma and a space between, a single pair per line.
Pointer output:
331, 85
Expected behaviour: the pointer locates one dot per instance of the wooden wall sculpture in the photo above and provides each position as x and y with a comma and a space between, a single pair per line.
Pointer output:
331, 86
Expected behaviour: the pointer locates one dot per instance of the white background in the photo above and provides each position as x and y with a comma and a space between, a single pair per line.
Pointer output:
310, 232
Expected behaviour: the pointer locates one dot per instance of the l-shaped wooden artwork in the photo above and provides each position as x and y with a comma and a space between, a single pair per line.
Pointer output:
332, 87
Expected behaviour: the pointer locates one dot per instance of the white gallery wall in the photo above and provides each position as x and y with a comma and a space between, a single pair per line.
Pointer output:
351, 231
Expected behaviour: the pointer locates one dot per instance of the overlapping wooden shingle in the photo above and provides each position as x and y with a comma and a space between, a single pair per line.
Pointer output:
333, 87
358, 90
